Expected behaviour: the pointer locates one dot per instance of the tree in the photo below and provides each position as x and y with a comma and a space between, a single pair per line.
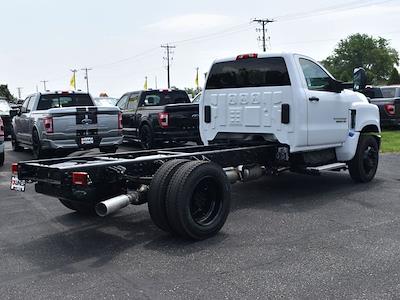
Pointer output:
362, 50
394, 77
4, 92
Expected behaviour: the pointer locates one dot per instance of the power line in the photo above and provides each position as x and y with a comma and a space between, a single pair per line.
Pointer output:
168, 51
263, 23
44, 84
87, 78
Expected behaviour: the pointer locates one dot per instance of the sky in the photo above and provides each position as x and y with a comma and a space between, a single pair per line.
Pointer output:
120, 40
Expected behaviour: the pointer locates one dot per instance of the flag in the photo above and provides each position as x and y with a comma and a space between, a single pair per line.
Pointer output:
196, 80
72, 82
145, 83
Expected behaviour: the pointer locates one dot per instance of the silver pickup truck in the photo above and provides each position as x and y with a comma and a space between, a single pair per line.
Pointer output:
65, 121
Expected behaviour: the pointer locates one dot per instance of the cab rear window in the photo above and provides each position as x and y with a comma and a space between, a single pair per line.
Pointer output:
59, 100
159, 98
251, 72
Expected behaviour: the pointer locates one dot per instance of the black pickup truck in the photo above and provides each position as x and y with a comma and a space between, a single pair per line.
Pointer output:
155, 116
387, 98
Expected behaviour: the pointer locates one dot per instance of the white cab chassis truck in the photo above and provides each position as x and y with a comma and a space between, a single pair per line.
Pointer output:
260, 114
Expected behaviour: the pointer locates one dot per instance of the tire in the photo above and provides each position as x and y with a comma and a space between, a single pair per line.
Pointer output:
109, 149
14, 143
158, 190
146, 137
198, 200
37, 150
78, 207
363, 166
1, 159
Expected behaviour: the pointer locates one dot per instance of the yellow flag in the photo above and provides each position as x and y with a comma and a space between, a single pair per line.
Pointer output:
196, 80
145, 83
72, 82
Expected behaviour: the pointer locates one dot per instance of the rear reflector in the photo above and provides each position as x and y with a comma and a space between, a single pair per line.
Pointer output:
80, 178
48, 124
390, 109
14, 168
163, 119
245, 56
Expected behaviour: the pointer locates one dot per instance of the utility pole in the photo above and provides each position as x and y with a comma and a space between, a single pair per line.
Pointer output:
155, 81
87, 78
74, 78
168, 51
19, 92
263, 23
44, 84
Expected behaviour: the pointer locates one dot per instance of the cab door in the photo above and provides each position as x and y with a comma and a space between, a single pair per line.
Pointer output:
327, 111
132, 117
22, 122
122, 105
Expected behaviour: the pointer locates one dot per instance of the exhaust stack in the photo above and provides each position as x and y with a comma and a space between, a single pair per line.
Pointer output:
110, 206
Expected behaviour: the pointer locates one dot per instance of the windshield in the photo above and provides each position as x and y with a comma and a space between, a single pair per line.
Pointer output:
155, 98
388, 92
4, 106
102, 101
252, 72
67, 100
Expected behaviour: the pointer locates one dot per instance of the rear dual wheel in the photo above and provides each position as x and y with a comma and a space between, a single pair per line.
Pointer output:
192, 201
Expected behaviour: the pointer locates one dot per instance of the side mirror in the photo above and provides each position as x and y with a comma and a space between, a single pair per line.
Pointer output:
13, 112
359, 79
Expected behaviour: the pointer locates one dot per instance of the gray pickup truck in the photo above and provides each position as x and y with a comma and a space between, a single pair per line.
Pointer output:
65, 121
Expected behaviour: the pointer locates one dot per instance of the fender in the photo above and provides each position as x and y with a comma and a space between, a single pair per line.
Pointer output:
366, 121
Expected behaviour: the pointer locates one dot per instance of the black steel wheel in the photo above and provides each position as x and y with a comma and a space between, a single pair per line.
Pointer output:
146, 137
158, 190
363, 166
37, 150
198, 200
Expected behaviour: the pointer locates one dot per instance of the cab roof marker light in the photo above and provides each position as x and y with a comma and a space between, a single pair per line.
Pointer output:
245, 56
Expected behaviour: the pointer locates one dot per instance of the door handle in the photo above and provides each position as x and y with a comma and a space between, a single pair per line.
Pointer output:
313, 99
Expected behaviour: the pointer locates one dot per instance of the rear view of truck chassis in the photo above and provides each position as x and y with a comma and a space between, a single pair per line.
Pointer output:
187, 188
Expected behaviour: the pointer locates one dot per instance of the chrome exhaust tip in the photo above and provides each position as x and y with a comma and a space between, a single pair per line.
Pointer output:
114, 204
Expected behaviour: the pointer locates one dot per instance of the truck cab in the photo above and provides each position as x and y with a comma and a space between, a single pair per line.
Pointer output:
287, 98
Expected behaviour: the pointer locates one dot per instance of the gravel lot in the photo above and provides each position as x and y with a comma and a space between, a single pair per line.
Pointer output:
292, 236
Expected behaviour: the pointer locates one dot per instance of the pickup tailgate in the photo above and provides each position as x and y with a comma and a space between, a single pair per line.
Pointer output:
85, 121
183, 116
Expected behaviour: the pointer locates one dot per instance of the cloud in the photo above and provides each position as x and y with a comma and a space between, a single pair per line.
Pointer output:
192, 23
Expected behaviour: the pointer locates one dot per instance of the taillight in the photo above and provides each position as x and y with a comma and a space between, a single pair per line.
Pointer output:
119, 120
80, 178
163, 119
390, 109
244, 56
48, 124
14, 168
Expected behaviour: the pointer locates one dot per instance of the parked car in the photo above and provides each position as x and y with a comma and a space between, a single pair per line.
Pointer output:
65, 121
154, 116
6, 114
1, 143
387, 98
105, 101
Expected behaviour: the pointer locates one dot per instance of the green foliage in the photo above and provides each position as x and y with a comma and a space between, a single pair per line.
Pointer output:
394, 77
192, 91
4, 92
361, 50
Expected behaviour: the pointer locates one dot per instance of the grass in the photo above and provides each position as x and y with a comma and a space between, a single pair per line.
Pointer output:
390, 141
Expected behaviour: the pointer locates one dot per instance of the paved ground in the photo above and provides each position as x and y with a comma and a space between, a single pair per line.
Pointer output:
288, 237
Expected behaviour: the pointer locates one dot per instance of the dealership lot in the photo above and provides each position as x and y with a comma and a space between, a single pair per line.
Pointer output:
290, 236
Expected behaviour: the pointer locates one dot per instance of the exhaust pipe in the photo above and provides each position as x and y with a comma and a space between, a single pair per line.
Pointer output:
110, 206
